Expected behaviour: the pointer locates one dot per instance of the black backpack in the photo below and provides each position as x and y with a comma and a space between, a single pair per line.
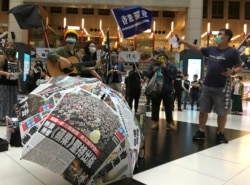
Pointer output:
15, 138
3, 145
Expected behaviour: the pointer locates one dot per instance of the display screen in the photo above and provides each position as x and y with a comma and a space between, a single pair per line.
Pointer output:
194, 68
26, 65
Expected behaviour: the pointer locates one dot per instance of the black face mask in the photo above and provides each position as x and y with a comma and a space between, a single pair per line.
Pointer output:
10, 51
38, 65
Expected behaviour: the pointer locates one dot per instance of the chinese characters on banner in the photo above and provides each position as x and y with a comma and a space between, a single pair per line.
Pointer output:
79, 129
132, 20
127, 56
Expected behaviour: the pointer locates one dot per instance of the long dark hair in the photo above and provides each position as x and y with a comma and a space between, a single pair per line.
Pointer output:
7, 45
87, 52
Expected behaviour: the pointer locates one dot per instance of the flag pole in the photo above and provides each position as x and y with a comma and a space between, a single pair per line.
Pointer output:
44, 29
108, 48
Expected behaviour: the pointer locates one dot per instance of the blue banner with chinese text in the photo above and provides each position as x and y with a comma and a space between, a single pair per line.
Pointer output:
132, 20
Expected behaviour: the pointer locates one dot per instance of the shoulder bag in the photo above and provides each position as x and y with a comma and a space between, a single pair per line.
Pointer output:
154, 87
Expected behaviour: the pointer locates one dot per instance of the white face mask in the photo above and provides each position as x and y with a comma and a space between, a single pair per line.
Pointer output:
113, 55
218, 39
92, 50
70, 40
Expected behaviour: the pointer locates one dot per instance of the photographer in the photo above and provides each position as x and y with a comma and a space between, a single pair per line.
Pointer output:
115, 72
36, 73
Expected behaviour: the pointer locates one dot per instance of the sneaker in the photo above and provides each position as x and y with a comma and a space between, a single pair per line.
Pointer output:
199, 135
170, 126
220, 138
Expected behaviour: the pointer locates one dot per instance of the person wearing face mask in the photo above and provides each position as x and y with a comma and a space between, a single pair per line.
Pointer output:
62, 54
10, 71
223, 61
115, 72
237, 94
166, 72
245, 54
90, 55
36, 73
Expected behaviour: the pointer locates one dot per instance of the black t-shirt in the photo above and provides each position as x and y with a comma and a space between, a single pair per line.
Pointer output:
186, 84
87, 59
195, 89
135, 79
177, 82
115, 75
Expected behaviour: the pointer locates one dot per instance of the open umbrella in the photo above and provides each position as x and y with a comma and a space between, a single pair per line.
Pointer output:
27, 16
80, 129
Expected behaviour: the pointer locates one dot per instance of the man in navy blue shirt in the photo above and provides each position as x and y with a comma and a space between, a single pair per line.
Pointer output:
223, 61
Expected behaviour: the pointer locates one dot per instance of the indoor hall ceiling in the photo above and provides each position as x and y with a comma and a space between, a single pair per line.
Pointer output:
104, 6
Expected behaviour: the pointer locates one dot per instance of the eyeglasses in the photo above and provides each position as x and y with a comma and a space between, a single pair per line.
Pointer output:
92, 46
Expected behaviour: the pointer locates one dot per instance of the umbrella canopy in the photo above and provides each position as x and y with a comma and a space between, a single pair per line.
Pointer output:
80, 129
27, 16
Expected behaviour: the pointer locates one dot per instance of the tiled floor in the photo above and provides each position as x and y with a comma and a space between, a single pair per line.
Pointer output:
171, 158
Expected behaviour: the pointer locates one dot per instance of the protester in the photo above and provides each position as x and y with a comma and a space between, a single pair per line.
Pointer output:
237, 94
63, 54
90, 55
166, 72
135, 79
185, 93
148, 75
223, 61
36, 73
10, 71
195, 92
115, 72
178, 89
245, 54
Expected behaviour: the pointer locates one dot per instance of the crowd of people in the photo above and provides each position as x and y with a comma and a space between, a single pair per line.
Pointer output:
203, 96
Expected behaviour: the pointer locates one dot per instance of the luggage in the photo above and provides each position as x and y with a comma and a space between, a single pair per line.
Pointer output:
3, 145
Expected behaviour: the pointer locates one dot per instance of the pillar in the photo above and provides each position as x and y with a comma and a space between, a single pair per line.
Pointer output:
194, 21
20, 34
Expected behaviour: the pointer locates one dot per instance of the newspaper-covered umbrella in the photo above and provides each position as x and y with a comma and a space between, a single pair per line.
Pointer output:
79, 129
